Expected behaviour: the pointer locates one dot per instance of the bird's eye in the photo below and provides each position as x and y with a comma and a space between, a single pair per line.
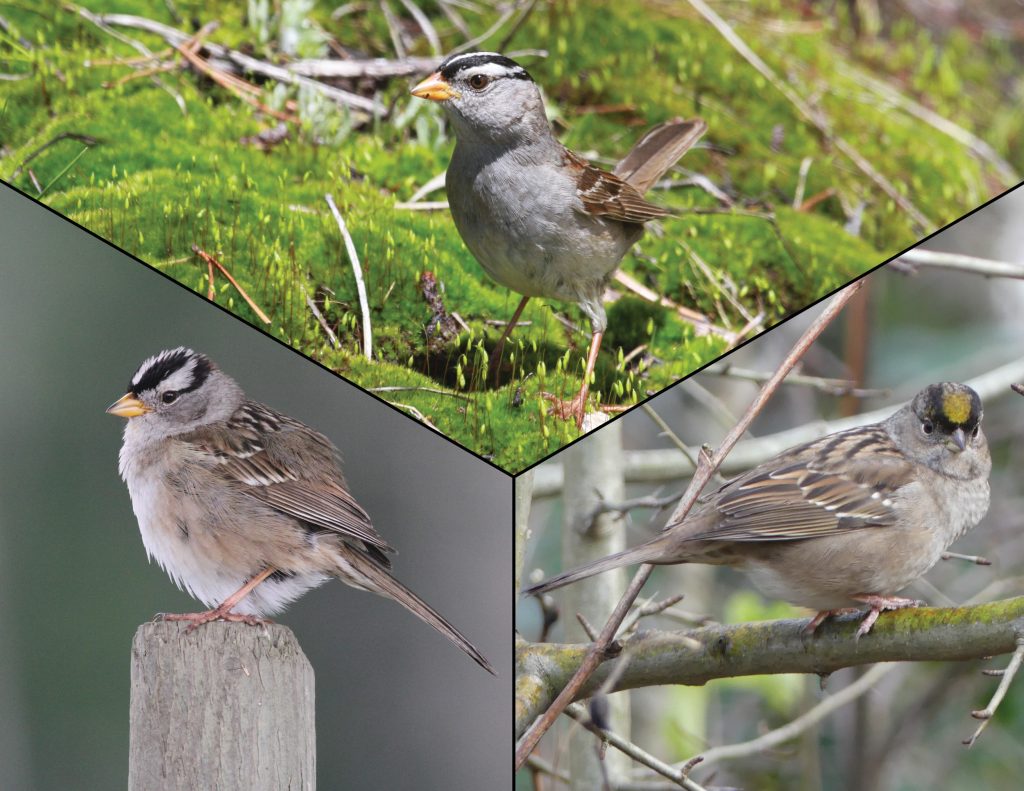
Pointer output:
479, 81
927, 427
169, 397
974, 432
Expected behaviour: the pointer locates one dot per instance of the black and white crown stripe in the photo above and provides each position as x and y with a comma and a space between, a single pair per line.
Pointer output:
182, 370
491, 64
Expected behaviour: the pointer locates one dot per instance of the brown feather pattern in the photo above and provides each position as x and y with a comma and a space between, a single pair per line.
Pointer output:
606, 195
811, 491
246, 454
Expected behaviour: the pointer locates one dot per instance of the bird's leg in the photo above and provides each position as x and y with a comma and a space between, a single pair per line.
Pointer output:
223, 612
494, 363
818, 619
878, 604
577, 408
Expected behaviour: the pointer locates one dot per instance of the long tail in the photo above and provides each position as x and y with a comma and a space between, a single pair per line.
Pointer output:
645, 553
383, 584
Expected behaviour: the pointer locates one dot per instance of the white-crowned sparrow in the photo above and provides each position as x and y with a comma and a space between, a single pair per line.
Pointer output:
540, 219
845, 520
245, 508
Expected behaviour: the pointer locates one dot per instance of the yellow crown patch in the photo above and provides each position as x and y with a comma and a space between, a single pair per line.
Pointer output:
956, 407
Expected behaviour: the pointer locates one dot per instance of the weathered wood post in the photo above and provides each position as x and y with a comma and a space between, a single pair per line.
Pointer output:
230, 706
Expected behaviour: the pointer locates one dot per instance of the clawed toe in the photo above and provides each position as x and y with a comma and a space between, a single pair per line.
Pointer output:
574, 409
197, 619
877, 605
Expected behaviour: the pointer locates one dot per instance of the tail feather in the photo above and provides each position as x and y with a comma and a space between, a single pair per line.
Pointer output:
384, 584
644, 553
657, 151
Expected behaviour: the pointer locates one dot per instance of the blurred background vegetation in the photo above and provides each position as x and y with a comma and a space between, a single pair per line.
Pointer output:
397, 706
159, 156
905, 733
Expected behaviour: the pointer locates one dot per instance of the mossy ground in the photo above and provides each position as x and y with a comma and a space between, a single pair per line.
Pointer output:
159, 181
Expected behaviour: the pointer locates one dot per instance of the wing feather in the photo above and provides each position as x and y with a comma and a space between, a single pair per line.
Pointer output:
303, 480
818, 490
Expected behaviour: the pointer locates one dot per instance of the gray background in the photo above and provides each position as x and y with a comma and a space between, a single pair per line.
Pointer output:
397, 706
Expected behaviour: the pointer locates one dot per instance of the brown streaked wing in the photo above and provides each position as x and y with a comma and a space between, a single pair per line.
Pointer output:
606, 195
241, 455
815, 492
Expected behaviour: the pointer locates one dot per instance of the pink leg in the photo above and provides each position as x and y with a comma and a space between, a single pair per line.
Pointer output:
818, 619
879, 604
577, 408
223, 613
495, 360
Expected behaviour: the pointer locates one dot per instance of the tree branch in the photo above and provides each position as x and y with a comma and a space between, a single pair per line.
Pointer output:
661, 657
597, 652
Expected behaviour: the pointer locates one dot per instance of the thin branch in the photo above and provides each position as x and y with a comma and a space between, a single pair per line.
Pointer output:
414, 412
211, 261
698, 320
319, 317
835, 387
245, 62
357, 270
543, 767
624, 507
425, 25
499, 23
417, 389
668, 432
86, 139
801, 724
961, 263
394, 28
596, 654
986, 714
677, 776
373, 68
924, 634
976, 559
103, 23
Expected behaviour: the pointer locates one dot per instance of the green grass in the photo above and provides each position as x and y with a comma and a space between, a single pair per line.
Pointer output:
159, 181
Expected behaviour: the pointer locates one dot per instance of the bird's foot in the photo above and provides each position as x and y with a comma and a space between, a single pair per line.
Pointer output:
575, 409
877, 605
818, 619
222, 613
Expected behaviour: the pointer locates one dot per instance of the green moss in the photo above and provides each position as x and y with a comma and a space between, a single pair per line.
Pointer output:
159, 181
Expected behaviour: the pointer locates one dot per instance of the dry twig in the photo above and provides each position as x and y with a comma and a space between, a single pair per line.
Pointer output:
961, 263
213, 262
357, 271
985, 714
638, 754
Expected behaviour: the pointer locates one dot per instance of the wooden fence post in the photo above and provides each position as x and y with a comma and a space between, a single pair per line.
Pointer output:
230, 706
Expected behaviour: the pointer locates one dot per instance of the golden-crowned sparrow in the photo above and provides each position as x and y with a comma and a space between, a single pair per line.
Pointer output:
245, 508
846, 520
540, 219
